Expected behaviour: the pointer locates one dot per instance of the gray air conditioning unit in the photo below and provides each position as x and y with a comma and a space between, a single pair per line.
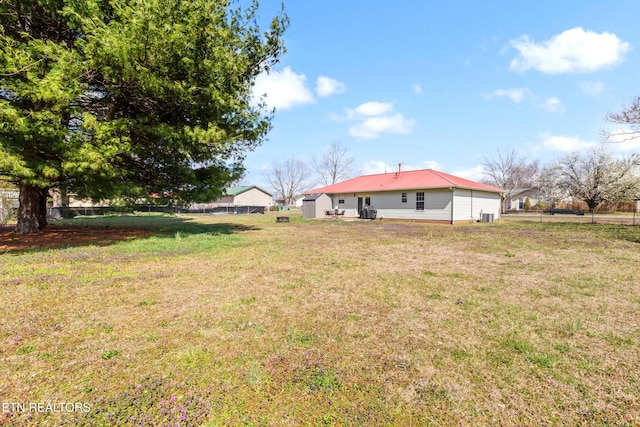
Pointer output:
486, 217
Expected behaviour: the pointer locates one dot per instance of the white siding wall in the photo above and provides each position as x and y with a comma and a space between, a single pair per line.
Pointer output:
253, 197
463, 205
437, 204
350, 205
486, 203
470, 204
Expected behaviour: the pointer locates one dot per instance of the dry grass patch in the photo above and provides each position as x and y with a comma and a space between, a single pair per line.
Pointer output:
227, 320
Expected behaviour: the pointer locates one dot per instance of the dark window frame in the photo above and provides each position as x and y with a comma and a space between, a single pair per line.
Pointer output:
420, 201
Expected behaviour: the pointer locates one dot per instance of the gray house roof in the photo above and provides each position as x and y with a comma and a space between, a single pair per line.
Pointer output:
312, 197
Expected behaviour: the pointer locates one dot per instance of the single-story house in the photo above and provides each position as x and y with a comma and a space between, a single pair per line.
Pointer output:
422, 195
296, 202
516, 201
70, 200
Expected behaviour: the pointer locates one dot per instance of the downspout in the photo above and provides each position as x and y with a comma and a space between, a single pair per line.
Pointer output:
471, 205
453, 192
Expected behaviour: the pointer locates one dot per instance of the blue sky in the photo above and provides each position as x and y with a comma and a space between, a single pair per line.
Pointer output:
439, 84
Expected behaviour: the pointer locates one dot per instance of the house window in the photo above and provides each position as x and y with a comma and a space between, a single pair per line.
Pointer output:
341, 201
404, 197
420, 201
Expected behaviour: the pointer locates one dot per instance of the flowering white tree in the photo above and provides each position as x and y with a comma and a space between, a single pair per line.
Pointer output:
594, 177
551, 188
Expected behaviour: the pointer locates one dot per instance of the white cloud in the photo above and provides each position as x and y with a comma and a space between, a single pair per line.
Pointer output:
516, 95
572, 51
369, 109
373, 127
565, 144
283, 90
552, 105
477, 173
374, 119
417, 89
425, 164
591, 88
379, 166
430, 164
375, 167
326, 86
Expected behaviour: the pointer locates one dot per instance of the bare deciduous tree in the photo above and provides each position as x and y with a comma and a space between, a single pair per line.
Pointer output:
334, 165
597, 177
629, 117
288, 179
509, 171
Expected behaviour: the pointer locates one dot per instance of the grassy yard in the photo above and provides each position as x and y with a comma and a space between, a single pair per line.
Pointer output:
239, 320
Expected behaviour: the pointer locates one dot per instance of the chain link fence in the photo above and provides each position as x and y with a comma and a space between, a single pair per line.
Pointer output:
71, 212
620, 218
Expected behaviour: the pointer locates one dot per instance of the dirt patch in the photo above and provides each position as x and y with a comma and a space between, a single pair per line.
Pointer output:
61, 236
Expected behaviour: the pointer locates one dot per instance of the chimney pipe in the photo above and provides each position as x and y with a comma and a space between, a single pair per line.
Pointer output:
397, 176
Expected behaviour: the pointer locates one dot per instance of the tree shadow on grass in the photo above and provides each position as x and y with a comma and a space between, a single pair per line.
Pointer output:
104, 231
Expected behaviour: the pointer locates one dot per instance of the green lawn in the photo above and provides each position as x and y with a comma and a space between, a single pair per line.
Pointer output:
239, 320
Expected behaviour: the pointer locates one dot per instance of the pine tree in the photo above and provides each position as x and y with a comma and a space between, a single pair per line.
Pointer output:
129, 97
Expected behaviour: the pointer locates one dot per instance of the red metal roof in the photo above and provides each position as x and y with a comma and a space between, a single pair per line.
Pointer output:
405, 180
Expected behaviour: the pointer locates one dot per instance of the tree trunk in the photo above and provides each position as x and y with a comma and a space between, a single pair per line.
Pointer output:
32, 209
42, 208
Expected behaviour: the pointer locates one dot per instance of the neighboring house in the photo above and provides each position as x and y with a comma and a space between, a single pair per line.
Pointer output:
515, 202
423, 195
8, 203
251, 196
297, 201
70, 200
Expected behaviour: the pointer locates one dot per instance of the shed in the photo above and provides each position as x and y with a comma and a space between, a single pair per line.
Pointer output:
315, 205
